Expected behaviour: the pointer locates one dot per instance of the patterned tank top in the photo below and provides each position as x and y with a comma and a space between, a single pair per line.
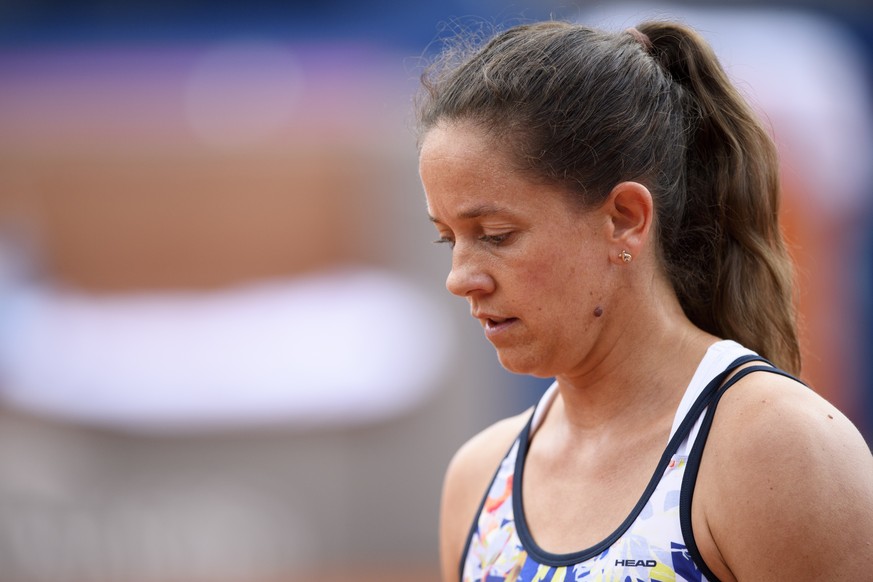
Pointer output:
654, 543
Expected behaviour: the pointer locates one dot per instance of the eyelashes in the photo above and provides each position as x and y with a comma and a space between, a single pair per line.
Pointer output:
491, 239
495, 239
444, 240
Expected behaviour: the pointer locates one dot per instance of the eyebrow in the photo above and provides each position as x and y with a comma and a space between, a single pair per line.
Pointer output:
477, 212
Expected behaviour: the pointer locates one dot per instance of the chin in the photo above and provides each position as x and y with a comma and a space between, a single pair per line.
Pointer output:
525, 363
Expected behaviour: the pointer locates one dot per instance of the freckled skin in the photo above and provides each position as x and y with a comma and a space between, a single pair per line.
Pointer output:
547, 272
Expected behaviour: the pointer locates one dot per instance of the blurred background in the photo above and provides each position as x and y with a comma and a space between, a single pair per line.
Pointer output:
226, 351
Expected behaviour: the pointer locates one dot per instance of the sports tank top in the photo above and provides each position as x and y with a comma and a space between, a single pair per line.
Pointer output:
654, 543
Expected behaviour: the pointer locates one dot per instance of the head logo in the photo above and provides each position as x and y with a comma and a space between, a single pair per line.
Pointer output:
636, 563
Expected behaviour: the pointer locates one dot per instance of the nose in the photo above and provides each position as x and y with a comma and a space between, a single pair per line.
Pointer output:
468, 278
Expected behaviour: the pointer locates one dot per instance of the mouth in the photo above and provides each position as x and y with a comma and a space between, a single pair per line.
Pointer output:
493, 322
496, 326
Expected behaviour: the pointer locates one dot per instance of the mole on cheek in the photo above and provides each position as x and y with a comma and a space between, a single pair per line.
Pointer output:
598, 311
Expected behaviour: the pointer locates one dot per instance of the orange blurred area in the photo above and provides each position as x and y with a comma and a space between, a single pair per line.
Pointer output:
142, 169
187, 218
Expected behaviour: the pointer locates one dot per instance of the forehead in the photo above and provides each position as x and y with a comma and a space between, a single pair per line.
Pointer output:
459, 141
461, 172
464, 170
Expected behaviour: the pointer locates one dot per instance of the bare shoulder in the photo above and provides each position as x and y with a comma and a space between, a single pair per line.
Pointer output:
468, 476
785, 488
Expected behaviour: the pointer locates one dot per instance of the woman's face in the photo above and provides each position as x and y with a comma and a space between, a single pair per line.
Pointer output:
533, 267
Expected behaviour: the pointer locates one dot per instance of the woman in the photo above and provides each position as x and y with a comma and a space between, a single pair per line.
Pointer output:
611, 203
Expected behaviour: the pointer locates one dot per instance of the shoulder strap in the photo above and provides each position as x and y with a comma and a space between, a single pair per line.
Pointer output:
518, 446
706, 396
693, 465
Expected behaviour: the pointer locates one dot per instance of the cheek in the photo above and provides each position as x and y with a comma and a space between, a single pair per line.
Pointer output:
544, 282
561, 273
552, 292
567, 287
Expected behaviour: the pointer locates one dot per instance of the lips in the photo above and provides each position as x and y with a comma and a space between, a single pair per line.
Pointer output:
495, 325
497, 321
487, 318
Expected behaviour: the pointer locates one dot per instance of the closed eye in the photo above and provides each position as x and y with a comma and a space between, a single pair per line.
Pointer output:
445, 240
491, 239
495, 239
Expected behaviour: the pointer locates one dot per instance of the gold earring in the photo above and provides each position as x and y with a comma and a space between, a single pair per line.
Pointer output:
625, 256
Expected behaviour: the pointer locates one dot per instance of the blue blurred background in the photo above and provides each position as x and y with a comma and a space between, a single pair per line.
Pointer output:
226, 352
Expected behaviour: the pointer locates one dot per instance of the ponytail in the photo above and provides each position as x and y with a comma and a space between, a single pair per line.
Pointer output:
727, 259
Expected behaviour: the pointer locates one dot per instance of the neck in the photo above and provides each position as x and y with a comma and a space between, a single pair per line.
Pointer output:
636, 374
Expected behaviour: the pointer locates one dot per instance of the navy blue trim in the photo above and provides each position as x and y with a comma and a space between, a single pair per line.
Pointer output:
558, 560
692, 467
475, 525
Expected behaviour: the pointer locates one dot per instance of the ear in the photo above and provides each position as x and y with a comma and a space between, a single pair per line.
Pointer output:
631, 212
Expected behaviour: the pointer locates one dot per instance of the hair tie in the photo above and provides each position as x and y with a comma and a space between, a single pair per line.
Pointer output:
641, 38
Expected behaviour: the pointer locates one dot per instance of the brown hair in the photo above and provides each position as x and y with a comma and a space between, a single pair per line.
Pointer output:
587, 109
